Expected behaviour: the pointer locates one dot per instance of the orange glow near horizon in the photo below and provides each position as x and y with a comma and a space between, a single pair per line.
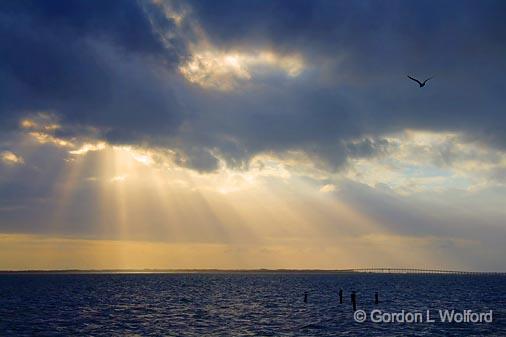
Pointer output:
147, 212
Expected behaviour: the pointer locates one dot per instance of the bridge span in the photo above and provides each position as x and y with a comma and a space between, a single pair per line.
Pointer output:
423, 271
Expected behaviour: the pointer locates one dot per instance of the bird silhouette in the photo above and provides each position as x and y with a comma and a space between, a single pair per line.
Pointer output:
421, 84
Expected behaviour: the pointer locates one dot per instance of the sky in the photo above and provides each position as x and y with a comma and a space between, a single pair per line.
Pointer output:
252, 134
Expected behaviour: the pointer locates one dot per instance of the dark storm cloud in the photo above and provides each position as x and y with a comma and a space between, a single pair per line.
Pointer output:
368, 48
89, 62
112, 65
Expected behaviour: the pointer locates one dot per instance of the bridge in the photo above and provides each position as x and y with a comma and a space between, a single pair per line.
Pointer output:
423, 271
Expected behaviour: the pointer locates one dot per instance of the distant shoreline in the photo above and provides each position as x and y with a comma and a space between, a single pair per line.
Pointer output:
239, 271
172, 271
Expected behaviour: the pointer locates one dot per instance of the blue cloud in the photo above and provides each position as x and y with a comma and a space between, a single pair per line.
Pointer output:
113, 65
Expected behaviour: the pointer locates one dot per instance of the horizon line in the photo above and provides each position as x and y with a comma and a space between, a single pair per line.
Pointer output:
385, 270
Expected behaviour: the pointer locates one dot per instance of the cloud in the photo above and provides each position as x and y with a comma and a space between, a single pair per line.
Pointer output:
230, 122
360, 55
280, 203
85, 148
327, 79
412, 161
88, 63
10, 158
328, 188
229, 70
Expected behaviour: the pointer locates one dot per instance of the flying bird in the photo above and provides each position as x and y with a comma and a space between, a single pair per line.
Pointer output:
421, 84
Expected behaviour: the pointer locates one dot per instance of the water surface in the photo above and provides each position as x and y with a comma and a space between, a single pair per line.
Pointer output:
240, 304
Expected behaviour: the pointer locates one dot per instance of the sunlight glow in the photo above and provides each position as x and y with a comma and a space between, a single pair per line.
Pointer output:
328, 188
119, 178
40, 121
11, 158
86, 147
279, 211
44, 138
44, 252
226, 70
